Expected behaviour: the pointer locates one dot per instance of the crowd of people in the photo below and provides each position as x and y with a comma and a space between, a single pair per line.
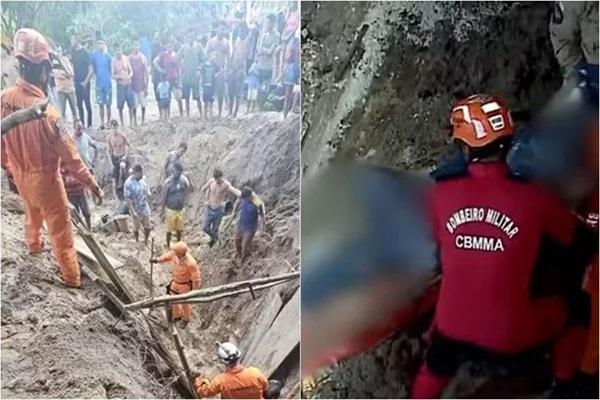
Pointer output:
258, 62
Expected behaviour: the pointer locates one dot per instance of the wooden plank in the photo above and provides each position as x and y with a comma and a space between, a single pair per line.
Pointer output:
84, 250
106, 266
111, 296
272, 304
215, 292
280, 339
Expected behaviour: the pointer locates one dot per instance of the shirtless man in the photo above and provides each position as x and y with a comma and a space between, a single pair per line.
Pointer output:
118, 149
220, 46
216, 190
237, 71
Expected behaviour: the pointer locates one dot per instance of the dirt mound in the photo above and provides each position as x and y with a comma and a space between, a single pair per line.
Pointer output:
378, 81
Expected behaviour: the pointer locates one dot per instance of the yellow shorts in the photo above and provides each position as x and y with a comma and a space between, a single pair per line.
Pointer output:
174, 220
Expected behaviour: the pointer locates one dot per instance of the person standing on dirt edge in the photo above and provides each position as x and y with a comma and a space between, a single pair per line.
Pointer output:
216, 190
174, 191
122, 74
219, 45
186, 277
291, 71
209, 71
490, 242
31, 153
117, 149
136, 195
102, 66
168, 64
139, 81
250, 208
269, 41
191, 57
237, 70
83, 73
237, 382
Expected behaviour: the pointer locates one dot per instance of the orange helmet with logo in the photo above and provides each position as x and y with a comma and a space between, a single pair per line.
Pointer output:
481, 119
31, 46
180, 248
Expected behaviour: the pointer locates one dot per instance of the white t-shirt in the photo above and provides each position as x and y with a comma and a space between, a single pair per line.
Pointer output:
84, 144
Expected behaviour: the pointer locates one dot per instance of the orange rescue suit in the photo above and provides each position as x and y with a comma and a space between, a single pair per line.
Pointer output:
186, 276
236, 383
31, 154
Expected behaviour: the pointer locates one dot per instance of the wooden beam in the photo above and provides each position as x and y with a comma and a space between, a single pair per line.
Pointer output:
210, 299
84, 251
19, 117
111, 296
97, 252
184, 362
227, 289
180, 383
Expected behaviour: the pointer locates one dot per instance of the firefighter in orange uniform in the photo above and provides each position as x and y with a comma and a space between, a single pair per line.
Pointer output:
33, 151
186, 277
237, 382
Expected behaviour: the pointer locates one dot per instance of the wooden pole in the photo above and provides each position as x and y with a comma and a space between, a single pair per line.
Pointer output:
209, 299
19, 117
184, 362
212, 291
151, 268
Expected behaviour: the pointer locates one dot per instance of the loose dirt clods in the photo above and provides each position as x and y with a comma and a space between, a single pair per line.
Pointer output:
59, 342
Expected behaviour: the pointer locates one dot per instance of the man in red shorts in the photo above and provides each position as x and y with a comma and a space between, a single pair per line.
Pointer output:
492, 231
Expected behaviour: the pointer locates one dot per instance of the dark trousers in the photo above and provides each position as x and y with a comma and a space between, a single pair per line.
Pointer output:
82, 92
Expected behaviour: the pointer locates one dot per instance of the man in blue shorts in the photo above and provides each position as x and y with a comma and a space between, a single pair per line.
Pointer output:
102, 65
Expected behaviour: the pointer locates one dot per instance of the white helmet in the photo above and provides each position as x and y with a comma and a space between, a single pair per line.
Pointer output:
228, 352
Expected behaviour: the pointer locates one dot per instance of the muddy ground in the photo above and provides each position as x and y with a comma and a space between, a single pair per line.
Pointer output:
59, 342
378, 80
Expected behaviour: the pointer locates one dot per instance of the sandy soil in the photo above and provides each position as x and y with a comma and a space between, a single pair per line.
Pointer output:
59, 342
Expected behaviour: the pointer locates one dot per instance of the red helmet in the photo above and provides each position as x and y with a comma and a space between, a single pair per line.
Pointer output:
32, 46
480, 120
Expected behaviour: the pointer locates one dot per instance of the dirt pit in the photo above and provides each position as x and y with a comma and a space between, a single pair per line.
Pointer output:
59, 342
378, 83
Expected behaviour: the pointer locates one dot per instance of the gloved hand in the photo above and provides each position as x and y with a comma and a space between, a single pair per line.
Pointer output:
153, 260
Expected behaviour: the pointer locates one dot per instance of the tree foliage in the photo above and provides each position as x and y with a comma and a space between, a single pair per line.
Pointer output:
117, 22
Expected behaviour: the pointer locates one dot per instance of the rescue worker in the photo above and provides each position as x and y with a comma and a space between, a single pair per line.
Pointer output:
574, 34
237, 382
588, 369
490, 230
32, 153
186, 277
